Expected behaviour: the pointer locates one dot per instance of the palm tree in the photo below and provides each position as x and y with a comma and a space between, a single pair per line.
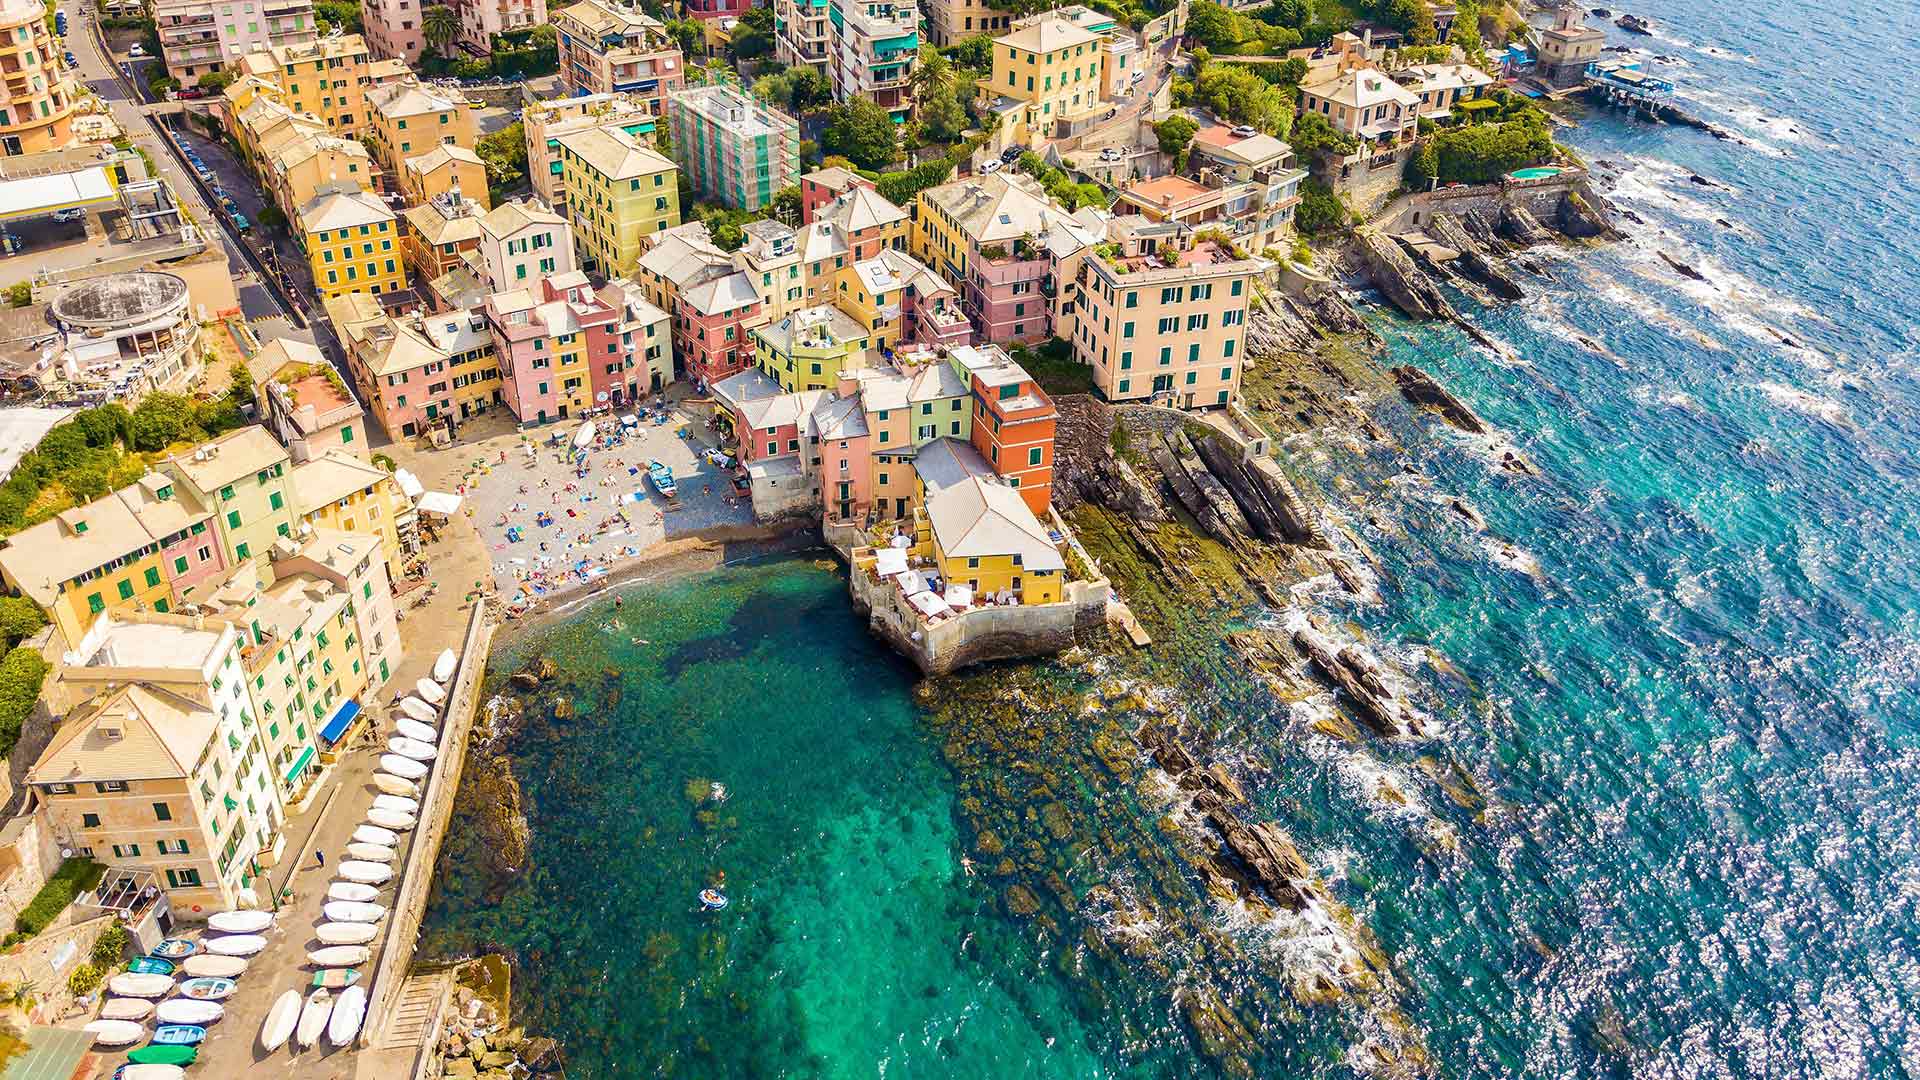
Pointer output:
932, 71
440, 25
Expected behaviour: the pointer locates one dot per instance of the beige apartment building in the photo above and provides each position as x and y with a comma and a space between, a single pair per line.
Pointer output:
408, 120
1045, 72
950, 22
202, 36
36, 100
1165, 318
545, 121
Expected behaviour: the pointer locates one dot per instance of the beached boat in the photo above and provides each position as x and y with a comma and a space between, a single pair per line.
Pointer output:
403, 767
141, 986
352, 891
412, 748
443, 665
164, 1055
175, 949
208, 989
391, 819
350, 911
414, 729
240, 922
151, 965
280, 1021
189, 1011
237, 945
205, 966
179, 1035
339, 956
398, 804
379, 853
366, 873
348, 1012
336, 978
126, 1009
374, 834
661, 477
430, 692
346, 933
415, 709
149, 1072
397, 786
116, 1032
313, 1018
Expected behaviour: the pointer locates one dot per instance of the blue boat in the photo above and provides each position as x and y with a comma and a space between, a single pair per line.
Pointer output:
151, 965
175, 949
662, 478
179, 1035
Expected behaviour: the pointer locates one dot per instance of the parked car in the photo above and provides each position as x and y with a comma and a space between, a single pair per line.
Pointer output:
991, 166
69, 215
1110, 153
1012, 154
188, 93
1245, 131
137, 50
72, 60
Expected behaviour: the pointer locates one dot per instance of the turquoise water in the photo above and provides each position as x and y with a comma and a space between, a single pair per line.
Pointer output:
1683, 786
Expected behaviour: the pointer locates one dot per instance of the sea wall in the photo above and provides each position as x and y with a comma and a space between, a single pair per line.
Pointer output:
981, 634
436, 807
1540, 197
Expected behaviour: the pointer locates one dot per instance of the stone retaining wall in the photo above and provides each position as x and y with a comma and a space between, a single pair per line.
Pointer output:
1540, 197
982, 634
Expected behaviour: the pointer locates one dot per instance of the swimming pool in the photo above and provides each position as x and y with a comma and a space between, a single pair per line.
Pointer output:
1537, 172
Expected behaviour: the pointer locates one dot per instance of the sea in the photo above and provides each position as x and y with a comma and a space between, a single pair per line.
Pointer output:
1665, 820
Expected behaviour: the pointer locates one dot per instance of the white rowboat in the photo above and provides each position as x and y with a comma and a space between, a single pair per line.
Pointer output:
348, 1012
346, 933
339, 956
350, 911
430, 691
240, 922
379, 853
237, 945
214, 967
115, 1032
352, 891
366, 873
397, 786
399, 804
280, 1020
391, 819
150, 1072
189, 1011
374, 834
141, 986
414, 729
412, 748
313, 1018
406, 768
443, 665
415, 709
126, 1009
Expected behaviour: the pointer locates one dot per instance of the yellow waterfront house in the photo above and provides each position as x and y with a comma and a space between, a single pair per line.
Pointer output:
242, 476
341, 492
811, 348
352, 243
620, 193
981, 533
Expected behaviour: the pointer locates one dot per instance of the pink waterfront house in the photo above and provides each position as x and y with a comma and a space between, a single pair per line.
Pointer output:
711, 323
189, 551
1004, 291
844, 456
543, 342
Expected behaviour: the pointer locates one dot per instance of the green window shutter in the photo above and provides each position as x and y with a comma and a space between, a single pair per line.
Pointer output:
275, 501
153, 576
233, 519
180, 565
126, 589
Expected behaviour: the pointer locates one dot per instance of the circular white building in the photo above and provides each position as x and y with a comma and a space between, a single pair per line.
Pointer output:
128, 334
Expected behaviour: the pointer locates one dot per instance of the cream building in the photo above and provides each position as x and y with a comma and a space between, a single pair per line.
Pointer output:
242, 476
339, 492
1045, 72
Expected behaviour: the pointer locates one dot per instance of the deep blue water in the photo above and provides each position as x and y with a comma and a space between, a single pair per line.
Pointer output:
1691, 733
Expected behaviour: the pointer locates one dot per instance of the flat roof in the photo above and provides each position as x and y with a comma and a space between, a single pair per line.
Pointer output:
21, 429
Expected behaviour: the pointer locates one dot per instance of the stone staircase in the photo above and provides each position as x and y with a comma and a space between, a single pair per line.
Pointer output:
415, 1017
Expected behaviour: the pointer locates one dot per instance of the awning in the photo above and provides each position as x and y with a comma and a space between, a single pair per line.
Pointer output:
299, 764
342, 719
410, 484
959, 596
439, 502
890, 561
929, 604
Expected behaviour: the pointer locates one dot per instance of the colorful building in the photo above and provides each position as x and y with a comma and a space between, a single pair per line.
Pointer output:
545, 121
407, 120
547, 343
303, 402
351, 241
822, 186
1013, 422
1003, 244
950, 22
420, 374
641, 362
801, 34
733, 150
36, 99
712, 321
445, 171
521, 242
481, 21
609, 48
440, 233
981, 533
201, 36
900, 301
328, 78
296, 169
771, 256
620, 194
341, 493
812, 348
394, 29
874, 49
1049, 67
242, 477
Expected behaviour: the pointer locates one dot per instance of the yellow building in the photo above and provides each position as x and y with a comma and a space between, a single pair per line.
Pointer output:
408, 120
445, 170
879, 291
343, 493
812, 348
242, 476
981, 533
328, 78
1047, 70
85, 561
262, 125
148, 781
297, 170
620, 193
36, 97
352, 243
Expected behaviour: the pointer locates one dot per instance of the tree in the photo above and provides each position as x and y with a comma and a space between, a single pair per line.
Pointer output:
1426, 161
159, 421
1239, 96
975, 53
1465, 32
215, 81
20, 618
21, 674
861, 130
240, 386
440, 25
687, 36
1482, 153
941, 114
1312, 132
1319, 209
1229, 33
504, 153
752, 35
1174, 133
786, 204
344, 14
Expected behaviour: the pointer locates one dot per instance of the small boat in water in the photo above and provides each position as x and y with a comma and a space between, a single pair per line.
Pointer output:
412, 748
175, 949
353, 892
313, 1018
366, 873
418, 711
713, 899
379, 853
391, 819
237, 945
352, 911
208, 989
430, 692
164, 1055
151, 965
126, 1009
179, 1035
214, 967
336, 978
346, 933
406, 768
348, 1012
443, 665
116, 1032
280, 1021
399, 804
396, 786
240, 922
414, 729
339, 956
189, 1011
374, 834
141, 986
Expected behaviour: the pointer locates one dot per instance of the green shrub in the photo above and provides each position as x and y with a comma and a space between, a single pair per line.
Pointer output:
85, 980
1319, 210
74, 877
109, 947
21, 673
20, 295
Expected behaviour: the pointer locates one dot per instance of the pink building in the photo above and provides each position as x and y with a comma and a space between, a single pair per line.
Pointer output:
711, 322
189, 553
844, 456
1005, 294
715, 9
480, 20
822, 186
545, 346
394, 29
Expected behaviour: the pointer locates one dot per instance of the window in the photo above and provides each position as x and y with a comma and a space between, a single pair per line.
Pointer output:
126, 589
233, 519
152, 576
182, 879
162, 812
275, 501
1033, 456
89, 821
95, 605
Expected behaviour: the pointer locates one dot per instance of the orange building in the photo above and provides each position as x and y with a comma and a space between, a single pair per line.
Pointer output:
1013, 422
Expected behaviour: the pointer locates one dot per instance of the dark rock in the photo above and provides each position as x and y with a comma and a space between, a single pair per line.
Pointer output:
1582, 219
1021, 901
1474, 260
1418, 387
1682, 268
1398, 278
1519, 224
504, 833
